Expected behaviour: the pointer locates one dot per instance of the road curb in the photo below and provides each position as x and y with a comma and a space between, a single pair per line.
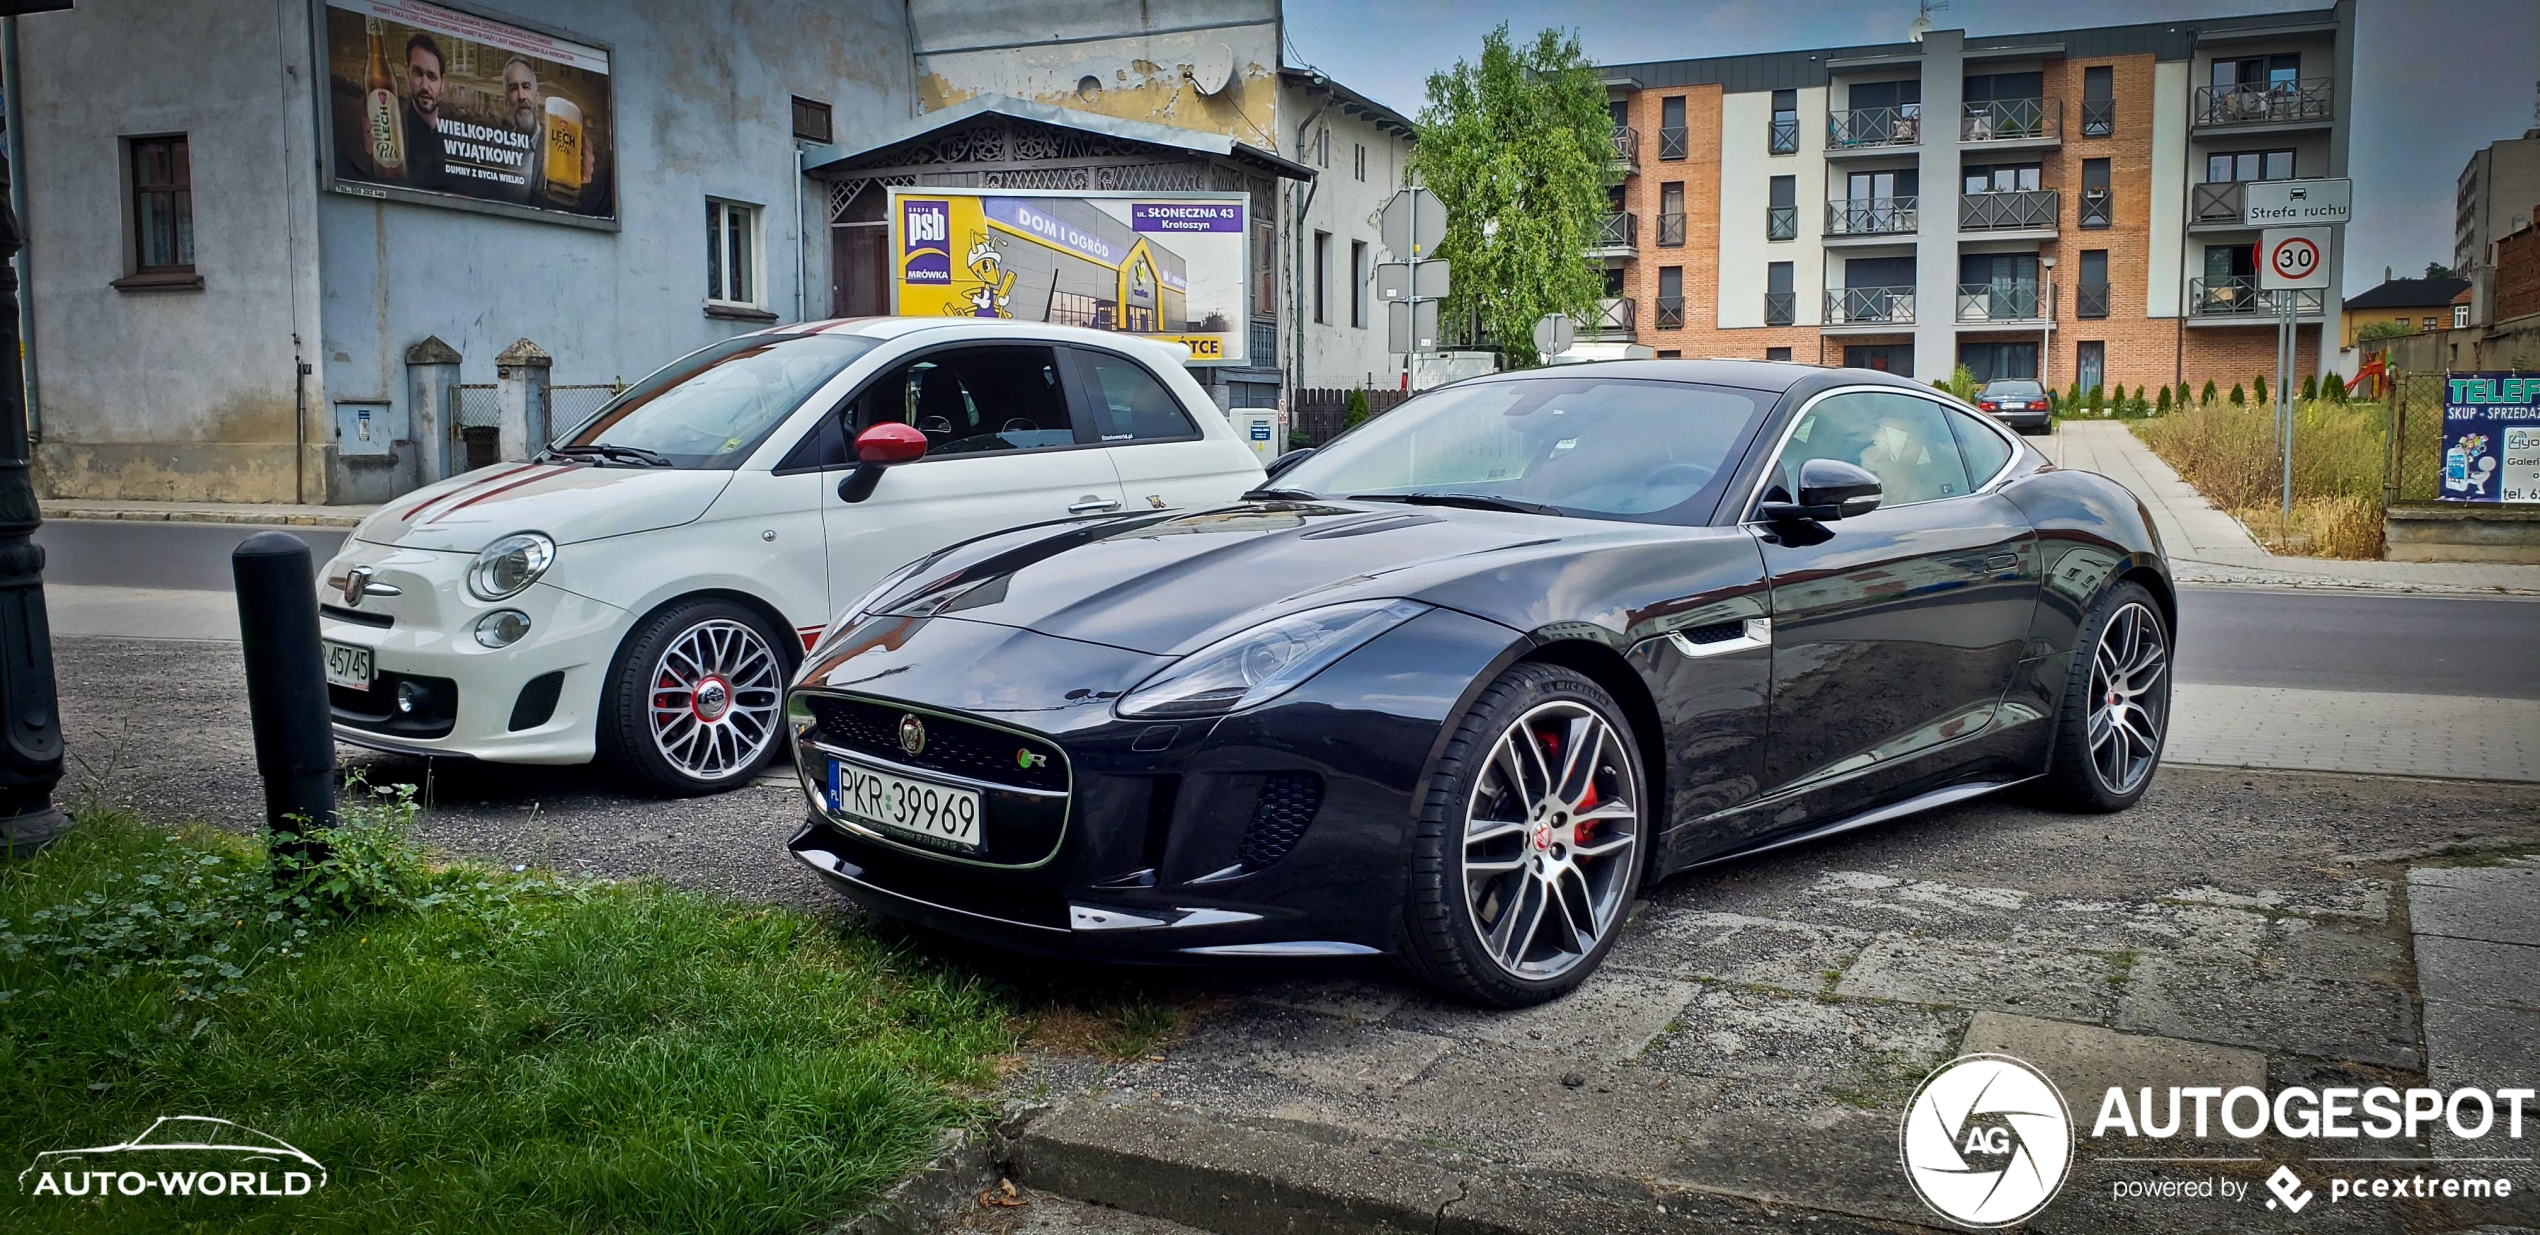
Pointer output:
1270, 1177
966, 1163
243, 517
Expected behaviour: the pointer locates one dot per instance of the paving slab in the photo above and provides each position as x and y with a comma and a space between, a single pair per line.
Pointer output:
2471, 971
2496, 904
2064, 982
2361, 1022
2085, 1061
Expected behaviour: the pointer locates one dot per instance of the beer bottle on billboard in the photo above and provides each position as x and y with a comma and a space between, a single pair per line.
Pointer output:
382, 113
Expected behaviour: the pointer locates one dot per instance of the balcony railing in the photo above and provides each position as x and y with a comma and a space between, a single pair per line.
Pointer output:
1617, 230
1780, 308
2215, 203
1626, 149
1864, 306
2098, 208
2242, 297
2000, 302
1871, 216
1874, 126
2013, 210
1264, 352
1671, 230
1613, 316
1781, 222
1784, 138
2090, 300
2003, 120
2098, 117
1671, 313
1671, 142
2263, 103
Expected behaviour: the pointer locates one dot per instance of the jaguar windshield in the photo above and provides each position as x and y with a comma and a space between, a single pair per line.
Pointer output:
710, 408
1597, 447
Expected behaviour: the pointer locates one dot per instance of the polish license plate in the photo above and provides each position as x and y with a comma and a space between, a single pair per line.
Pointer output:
2014, 405
348, 665
937, 812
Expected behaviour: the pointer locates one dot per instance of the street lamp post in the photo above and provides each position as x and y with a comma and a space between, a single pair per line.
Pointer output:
30, 725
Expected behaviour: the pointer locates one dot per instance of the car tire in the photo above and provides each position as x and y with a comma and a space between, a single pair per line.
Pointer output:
2114, 722
1504, 846
727, 666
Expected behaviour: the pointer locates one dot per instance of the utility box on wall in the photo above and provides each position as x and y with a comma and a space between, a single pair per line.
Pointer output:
1264, 429
363, 431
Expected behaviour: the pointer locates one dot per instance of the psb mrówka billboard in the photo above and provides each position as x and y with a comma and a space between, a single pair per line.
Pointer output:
431, 104
1162, 265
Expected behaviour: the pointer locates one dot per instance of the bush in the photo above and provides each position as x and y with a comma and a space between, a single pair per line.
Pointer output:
2232, 455
2238, 397
2096, 401
1963, 383
1354, 413
2334, 389
2310, 386
2207, 398
2260, 392
2164, 405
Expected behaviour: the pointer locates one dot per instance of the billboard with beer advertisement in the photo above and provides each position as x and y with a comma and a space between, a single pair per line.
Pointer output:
435, 105
1167, 266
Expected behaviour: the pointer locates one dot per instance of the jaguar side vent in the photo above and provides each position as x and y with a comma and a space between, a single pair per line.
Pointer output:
1286, 804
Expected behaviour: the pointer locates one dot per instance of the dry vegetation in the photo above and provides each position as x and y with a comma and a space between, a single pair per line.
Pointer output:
2231, 453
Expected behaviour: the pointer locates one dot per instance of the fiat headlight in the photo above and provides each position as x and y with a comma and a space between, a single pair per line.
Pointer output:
508, 566
1264, 662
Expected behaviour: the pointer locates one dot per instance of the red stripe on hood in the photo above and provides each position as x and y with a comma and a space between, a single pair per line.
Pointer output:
499, 490
427, 503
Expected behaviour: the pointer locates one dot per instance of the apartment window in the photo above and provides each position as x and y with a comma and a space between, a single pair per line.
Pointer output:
1785, 133
1358, 281
1671, 127
2091, 298
1323, 147
1781, 219
2277, 71
2098, 101
1671, 297
1779, 306
2098, 209
2090, 365
2002, 177
2248, 165
1777, 353
1322, 276
1671, 214
811, 120
162, 206
732, 253
1358, 160
1670, 354
2430, 324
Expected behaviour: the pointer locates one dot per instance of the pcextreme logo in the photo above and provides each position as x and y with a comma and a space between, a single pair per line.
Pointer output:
1986, 1140
177, 1155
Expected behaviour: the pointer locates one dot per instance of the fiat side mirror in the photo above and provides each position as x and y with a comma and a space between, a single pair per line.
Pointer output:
878, 449
1828, 489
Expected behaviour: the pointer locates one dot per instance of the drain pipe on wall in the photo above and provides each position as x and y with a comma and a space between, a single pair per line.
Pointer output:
800, 240
1304, 202
12, 106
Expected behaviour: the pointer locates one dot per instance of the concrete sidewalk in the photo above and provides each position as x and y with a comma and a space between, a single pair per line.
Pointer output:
260, 513
2207, 546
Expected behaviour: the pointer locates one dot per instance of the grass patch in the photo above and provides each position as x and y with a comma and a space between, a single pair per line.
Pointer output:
466, 1049
2233, 455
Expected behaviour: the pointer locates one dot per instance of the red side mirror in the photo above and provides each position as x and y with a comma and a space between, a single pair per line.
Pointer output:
886, 444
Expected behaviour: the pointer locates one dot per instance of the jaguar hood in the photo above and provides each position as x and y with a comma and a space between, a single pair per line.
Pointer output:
567, 500
1168, 584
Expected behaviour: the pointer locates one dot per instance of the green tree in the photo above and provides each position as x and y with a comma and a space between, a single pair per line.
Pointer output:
2096, 400
2163, 404
1516, 147
2208, 396
2239, 396
1354, 412
2186, 395
2437, 270
2260, 390
2072, 399
2334, 389
2310, 386
1963, 383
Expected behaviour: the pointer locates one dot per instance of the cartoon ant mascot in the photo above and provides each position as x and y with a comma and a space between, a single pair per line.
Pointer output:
995, 286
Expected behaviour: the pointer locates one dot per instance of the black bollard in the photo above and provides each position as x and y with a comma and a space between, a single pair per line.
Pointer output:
286, 683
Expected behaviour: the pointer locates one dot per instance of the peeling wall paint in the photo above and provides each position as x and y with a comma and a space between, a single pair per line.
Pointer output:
1138, 58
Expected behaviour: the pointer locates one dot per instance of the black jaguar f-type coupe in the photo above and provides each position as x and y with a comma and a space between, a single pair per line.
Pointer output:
1457, 686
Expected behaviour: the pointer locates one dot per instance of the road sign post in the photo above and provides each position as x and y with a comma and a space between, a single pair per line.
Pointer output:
2291, 261
1411, 225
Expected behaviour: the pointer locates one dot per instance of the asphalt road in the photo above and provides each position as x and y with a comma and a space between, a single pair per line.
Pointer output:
2425, 645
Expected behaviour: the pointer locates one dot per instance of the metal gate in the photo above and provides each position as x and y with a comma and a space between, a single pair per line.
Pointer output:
479, 422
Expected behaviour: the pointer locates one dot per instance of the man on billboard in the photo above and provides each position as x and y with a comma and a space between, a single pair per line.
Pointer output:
520, 93
424, 87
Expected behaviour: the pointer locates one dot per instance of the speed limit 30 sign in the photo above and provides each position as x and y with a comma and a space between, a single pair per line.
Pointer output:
2293, 257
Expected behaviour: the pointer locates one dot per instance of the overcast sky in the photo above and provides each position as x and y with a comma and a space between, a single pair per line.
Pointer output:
2435, 79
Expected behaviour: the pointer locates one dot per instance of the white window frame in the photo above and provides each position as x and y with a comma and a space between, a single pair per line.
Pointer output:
754, 272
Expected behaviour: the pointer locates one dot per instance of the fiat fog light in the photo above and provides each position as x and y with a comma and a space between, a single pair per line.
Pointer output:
502, 628
508, 566
410, 695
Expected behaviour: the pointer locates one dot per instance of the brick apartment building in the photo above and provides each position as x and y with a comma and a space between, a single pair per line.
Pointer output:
2063, 204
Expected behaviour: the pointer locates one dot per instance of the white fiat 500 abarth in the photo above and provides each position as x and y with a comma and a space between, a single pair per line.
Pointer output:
642, 591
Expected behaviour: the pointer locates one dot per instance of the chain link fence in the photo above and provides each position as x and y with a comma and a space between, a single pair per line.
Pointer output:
568, 406
479, 420
2414, 466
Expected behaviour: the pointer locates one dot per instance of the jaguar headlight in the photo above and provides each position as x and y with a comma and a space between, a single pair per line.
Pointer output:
1264, 662
508, 566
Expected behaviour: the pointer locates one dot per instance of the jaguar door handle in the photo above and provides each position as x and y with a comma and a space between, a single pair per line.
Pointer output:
1091, 505
2001, 561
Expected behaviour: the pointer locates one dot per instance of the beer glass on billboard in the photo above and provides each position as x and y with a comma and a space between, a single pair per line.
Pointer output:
564, 150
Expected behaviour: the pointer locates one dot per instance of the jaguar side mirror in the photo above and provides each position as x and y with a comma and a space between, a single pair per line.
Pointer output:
878, 449
1828, 489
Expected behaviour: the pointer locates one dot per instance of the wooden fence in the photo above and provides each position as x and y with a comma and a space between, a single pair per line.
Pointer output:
1316, 413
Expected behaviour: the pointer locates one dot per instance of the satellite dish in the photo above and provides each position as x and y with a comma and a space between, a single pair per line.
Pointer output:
1214, 67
